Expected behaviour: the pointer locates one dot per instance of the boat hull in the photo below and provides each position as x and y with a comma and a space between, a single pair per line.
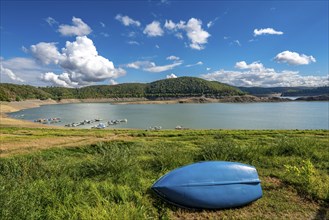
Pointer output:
210, 185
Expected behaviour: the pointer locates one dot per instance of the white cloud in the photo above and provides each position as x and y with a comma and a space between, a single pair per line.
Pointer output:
80, 61
196, 34
19, 69
127, 21
153, 29
172, 58
51, 21
211, 23
113, 82
152, 67
294, 58
10, 74
62, 80
172, 26
255, 74
79, 28
46, 53
104, 34
179, 35
24, 49
102, 24
165, 2
266, 31
255, 66
138, 64
252, 40
157, 69
208, 68
18, 62
237, 42
195, 64
132, 34
171, 76
132, 42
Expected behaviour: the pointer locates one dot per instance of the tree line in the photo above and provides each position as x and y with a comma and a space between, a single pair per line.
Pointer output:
167, 88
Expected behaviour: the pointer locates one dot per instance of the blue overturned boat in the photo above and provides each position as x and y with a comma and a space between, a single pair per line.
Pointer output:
210, 185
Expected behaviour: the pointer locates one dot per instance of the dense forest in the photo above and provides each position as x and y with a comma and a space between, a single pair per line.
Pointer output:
189, 86
167, 88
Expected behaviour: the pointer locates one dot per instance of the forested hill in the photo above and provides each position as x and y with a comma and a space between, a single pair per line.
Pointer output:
167, 88
189, 86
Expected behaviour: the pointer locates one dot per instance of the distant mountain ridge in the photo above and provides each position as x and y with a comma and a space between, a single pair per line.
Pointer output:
287, 91
167, 88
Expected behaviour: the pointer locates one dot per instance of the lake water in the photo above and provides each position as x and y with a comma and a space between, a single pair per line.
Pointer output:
285, 115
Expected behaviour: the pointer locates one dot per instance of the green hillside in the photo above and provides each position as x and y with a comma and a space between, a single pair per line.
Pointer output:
126, 90
167, 88
189, 86
61, 92
12, 92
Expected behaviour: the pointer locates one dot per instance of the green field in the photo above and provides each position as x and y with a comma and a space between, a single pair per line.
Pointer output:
111, 178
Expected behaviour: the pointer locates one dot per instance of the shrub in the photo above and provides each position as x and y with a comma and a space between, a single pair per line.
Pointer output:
308, 180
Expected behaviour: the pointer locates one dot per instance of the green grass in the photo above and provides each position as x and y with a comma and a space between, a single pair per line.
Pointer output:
112, 179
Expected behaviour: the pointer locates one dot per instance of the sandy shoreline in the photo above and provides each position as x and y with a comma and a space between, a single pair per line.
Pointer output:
8, 107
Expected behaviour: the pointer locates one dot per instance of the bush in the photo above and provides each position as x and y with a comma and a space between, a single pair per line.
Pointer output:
308, 180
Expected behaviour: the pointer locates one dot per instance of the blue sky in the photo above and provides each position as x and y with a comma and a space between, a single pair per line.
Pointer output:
242, 43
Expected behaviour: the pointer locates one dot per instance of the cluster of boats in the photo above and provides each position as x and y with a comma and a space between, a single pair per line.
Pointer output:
18, 116
47, 120
100, 124
117, 121
109, 123
76, 124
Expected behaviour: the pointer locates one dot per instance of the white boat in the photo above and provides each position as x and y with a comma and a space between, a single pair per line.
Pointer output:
99, 126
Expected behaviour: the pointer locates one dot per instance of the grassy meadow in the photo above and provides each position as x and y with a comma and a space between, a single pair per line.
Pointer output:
50, 173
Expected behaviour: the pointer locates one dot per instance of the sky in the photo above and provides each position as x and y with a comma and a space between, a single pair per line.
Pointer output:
241, 43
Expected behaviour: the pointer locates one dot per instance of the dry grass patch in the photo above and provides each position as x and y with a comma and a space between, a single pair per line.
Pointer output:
12, 144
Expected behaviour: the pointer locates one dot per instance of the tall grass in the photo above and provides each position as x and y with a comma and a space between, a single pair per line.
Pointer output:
112, 180
290, 159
